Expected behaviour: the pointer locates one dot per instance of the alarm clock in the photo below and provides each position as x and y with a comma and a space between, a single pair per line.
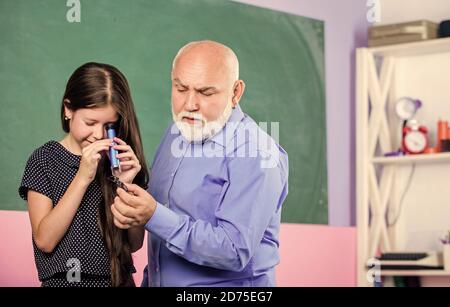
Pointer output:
415, 139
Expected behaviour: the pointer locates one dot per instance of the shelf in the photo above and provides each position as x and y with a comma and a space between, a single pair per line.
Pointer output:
423, 158
431, 46
378, 192
415, 273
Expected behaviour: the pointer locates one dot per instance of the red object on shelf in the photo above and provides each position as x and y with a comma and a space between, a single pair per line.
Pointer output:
431, 150
407, 145
442, 133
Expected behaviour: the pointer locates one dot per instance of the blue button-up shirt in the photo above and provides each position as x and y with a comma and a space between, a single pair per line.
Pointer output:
218, 209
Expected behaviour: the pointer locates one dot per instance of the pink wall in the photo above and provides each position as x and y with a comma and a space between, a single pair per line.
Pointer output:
316, 255
311, 255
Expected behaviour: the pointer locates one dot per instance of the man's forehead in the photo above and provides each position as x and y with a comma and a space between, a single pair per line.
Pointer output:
198, 77
200, 66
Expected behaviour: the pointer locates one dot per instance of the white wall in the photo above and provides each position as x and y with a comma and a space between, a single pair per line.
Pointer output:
425, 213
426, 208
395, 11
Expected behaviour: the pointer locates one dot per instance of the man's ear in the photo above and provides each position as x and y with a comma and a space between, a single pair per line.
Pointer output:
238, 91
68, 113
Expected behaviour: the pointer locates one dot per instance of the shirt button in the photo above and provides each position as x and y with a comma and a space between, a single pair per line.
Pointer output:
173, 174
157, 269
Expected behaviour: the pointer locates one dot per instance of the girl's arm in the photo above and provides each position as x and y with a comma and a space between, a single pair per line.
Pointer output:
136, 237
49, 224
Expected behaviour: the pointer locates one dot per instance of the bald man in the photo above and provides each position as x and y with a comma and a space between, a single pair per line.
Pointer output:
217, 183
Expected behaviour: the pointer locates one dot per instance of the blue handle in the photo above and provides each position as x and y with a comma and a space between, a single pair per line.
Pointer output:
111, 133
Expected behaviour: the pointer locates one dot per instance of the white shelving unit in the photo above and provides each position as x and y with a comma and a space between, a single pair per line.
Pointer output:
375, 173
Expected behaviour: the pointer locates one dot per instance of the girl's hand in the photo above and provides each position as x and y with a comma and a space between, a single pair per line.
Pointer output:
129, 163
90, 156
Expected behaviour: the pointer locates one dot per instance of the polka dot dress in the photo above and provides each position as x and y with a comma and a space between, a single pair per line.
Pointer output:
62, 282
49, 171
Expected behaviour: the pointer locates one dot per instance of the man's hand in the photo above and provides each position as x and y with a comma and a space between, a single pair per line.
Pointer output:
132, 210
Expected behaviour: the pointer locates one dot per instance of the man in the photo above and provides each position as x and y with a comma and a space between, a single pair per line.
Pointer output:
217, 183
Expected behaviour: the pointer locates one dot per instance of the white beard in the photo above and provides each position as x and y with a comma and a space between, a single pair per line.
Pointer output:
202, 129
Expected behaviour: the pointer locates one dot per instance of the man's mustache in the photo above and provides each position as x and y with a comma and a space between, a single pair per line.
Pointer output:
195, 116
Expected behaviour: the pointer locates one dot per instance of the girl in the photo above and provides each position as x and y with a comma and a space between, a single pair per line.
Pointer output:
68, 192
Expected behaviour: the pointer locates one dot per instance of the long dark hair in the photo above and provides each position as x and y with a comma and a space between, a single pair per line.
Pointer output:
95, 85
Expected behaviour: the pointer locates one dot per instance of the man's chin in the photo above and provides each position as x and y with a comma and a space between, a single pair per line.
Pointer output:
194, 134
191, 133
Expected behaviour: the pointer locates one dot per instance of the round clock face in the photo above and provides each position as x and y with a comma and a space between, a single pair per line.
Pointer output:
415, 142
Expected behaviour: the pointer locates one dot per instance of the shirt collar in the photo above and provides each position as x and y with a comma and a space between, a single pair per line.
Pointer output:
227, 133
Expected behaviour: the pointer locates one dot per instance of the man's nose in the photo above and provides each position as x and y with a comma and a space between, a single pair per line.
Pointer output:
191, 104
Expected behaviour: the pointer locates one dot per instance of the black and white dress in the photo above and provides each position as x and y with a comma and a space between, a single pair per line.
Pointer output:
49, 171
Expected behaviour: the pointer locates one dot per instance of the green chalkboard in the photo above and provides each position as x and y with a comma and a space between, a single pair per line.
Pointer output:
281, 59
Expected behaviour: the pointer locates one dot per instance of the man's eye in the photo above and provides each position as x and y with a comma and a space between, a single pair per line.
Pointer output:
206, 94
181, 90
90, 124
